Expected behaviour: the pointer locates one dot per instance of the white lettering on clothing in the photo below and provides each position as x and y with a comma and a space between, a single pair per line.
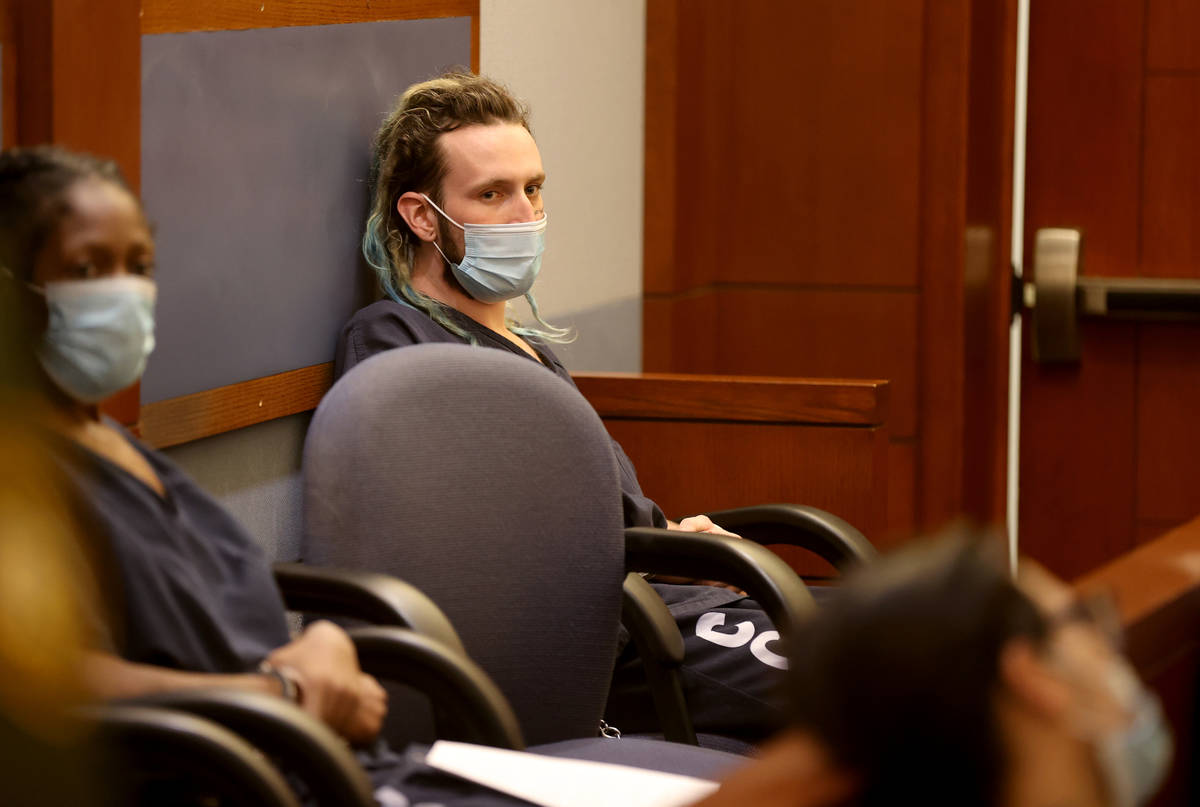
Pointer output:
706, 629
759, 648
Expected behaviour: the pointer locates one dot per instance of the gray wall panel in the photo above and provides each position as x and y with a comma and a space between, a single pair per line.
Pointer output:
255, 473
255, 149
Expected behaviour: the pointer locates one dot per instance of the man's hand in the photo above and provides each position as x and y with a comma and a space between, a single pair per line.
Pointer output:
697, 524
700, 524
333, 686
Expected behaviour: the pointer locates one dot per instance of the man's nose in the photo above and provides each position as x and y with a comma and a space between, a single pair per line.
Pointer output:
523, 210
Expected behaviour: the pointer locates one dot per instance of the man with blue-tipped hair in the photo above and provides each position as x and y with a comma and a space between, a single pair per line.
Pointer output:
456, 229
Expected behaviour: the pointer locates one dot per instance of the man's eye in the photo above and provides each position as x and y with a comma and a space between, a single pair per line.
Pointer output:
533, 190
82, 271
144, 268
489, 195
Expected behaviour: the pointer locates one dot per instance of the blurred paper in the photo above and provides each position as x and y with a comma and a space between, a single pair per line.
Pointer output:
554, 782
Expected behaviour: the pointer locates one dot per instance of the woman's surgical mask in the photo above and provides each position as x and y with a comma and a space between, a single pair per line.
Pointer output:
98, 334
500, 261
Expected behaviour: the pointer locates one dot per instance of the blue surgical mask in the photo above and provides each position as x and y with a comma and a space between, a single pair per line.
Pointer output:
500, 261
1135, 758
98, 335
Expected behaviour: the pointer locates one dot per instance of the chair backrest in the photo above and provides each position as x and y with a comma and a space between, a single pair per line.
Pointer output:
489, 483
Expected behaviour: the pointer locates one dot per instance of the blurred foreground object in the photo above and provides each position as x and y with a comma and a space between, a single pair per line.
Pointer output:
43, 581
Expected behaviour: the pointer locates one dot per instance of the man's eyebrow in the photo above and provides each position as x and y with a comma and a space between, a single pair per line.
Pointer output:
536, 179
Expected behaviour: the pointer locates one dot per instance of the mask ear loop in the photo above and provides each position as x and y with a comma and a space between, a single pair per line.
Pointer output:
444, 213
432, 203
7, 274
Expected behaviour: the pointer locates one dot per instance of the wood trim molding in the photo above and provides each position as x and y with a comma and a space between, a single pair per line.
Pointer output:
61, 88
179, 16
942, 258
614, 395
1157, 587
8, 74
759, 399
475, 38
659, 188
214, 411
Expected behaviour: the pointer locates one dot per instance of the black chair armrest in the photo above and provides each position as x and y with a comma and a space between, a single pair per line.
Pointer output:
461, 692
283, 730
376, 598
660, 646
811, 528
756, 570
156, 741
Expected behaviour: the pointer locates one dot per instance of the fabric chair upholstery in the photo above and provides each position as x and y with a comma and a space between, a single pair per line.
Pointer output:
490, 484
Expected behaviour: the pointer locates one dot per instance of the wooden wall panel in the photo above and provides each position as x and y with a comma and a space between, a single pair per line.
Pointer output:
1168, 408
705, 83
745, 399
1084, 127
902, 492
787, 332
679, 466
945, 112
1171, 178
1078, 453
818, 164
1173, 37
1149, 530
838, 179
662, 141
77, 69
820, 160
79, 77
829, 334
8, 75
986, 281
1108, 446
709, 442
679, 334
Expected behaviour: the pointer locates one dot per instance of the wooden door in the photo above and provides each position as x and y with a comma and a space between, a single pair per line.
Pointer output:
1110, 446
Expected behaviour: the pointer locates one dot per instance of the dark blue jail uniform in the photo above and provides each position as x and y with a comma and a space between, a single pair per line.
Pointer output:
730, 690
194, 592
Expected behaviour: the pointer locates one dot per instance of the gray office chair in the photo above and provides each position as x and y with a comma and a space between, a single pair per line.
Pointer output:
491, 485
495, 499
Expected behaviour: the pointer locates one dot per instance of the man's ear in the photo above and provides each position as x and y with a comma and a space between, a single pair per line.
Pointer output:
418, 214
1031, 682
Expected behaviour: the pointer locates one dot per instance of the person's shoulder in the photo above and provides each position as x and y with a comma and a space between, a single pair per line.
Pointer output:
384, 325
386, 311
550, 358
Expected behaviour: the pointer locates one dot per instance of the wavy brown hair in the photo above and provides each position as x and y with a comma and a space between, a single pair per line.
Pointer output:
408, 157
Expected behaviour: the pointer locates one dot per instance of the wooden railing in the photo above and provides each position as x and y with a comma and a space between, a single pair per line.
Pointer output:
704, 443
1157, 587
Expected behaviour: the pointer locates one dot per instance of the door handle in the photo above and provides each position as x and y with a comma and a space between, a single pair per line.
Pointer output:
1059, 295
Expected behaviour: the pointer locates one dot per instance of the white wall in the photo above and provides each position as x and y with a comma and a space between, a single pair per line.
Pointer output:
580, 64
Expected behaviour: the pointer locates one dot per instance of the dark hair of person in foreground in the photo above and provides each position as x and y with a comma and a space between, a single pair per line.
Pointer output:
936, 677
898, 677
